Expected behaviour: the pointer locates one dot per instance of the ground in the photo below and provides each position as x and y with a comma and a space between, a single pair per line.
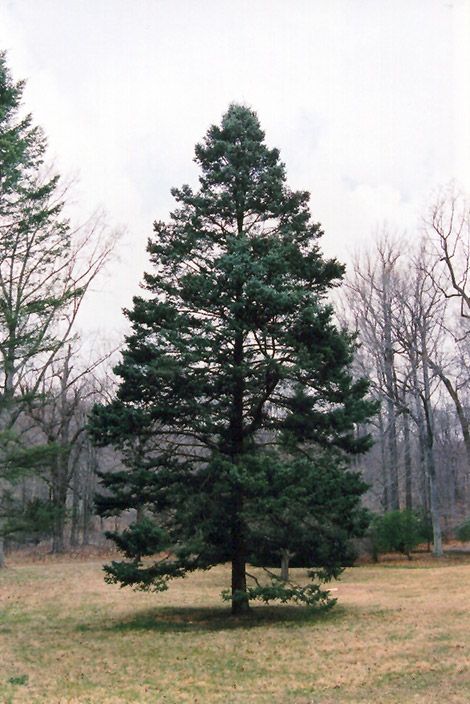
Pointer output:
400, 633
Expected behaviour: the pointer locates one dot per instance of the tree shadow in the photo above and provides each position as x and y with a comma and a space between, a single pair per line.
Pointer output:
205, 619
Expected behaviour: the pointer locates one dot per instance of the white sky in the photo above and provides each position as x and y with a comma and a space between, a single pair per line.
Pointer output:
368, 101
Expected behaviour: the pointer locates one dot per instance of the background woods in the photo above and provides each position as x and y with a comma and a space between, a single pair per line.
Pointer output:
407, 302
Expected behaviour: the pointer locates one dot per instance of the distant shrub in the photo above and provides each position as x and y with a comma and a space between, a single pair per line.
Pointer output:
397, 531
31, 522
425, 525
463, 531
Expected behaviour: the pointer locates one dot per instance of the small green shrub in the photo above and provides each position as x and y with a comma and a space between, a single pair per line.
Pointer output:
31, 522
397, 531
463, 531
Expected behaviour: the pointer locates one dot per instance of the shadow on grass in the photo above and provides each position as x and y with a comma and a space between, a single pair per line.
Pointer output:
197, 620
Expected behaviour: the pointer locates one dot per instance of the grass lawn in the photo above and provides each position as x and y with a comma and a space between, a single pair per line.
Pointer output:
400, 633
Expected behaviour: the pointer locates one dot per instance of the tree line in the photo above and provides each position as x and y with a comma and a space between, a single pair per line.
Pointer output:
47, 266
408, 302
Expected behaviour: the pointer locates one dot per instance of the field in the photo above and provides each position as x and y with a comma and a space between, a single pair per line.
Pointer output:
400, 633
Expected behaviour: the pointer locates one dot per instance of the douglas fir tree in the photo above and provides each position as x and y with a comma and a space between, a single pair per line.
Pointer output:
236, 408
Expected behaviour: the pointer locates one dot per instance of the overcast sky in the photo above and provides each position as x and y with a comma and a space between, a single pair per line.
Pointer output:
368, 101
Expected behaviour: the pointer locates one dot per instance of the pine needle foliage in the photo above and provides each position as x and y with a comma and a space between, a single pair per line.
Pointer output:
236, 405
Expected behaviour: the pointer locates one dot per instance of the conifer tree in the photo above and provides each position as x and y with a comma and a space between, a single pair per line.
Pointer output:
236, 403
33, 237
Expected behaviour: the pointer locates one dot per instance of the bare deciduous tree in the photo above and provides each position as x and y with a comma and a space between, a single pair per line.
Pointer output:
448, 226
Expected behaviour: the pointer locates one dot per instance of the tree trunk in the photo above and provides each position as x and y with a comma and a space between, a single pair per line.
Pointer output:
389, 373
435, 518
62, 466
89, 487
240, 603
431, 465
407, 459
58, 537
392, 456
419, 418
75, 526
285, 557
385, 493
59, 503
6, 422
86, 522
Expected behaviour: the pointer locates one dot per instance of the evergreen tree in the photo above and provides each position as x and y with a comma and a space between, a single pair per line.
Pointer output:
37, 286
32, 238
235, 387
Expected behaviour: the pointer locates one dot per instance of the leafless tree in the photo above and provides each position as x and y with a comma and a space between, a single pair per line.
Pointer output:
447, 225
419, 330
395, 299
371, 299
59, 413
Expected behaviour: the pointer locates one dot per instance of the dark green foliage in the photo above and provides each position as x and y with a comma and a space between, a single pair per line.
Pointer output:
398, 531
276, 589
311, 509
236, 407
424, 525
31, 522
463, 531
19, 460
19, 680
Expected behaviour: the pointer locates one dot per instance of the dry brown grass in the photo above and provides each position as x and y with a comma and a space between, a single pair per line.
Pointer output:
399, 634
